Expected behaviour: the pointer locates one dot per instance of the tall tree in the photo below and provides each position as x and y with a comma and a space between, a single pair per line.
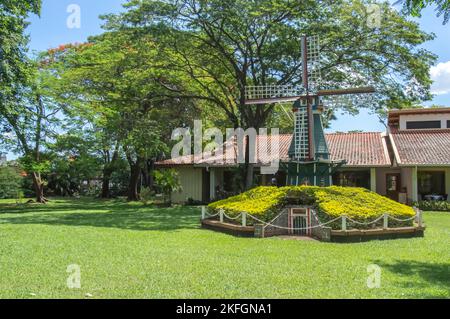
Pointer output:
114, 81
24, 115
225, 45
29, 120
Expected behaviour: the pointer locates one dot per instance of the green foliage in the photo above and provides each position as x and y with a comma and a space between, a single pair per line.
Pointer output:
167, 181
75, 161
262, 202
415, 7
13, 41
359, 204
146, 195
30, 164
222, 46
27, 114
433, 206
10, 182
117, 83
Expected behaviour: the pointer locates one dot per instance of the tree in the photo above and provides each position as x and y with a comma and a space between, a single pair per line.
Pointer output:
224, 45
167, 181
23, 114
13, 44
75, 162
414, 7
29, 120
113, 82
10, 182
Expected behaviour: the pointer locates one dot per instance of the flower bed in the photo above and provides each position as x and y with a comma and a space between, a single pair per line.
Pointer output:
358, 204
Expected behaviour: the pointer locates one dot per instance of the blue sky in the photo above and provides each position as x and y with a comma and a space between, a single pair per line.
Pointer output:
50, 30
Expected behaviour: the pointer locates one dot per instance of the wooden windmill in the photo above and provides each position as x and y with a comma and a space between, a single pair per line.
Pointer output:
310, 162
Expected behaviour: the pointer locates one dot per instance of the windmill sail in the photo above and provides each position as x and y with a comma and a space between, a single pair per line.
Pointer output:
309, 154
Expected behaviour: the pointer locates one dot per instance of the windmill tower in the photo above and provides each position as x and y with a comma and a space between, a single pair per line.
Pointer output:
310, 162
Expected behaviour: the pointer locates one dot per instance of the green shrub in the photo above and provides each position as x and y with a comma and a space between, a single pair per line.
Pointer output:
262, 202
433, 205
167, 181
358, 204
10, 182
146, 195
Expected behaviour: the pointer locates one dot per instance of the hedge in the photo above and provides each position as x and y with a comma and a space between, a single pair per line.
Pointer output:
262, 202
359, 204
433, 206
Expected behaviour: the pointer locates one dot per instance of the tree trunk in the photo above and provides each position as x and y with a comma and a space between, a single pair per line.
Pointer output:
147, 174
38, 188
133, 194
249, 175
105, 183
108, 170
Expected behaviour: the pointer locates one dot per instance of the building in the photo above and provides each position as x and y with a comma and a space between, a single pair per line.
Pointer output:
408, 162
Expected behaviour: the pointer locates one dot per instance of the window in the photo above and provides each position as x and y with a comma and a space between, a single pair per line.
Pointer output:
431, 183
422, 124
352, 179
448, 123
392, 182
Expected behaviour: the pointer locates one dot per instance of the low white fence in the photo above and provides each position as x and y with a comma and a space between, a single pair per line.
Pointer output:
344, 220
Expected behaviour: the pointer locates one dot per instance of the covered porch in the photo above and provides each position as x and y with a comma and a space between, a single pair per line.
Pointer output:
411, 184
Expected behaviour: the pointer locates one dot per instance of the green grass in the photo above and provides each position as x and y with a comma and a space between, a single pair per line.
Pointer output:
133, 251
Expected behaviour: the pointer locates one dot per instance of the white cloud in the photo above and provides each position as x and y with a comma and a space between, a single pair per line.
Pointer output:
440, 74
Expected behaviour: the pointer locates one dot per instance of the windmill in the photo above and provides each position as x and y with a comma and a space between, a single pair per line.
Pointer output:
309, 156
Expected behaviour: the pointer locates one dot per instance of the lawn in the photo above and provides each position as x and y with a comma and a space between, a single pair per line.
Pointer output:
128, 250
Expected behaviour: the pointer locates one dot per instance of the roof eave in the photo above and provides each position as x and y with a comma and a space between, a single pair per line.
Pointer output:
423, 165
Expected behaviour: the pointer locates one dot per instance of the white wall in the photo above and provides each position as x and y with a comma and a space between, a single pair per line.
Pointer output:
424, 117
191, 183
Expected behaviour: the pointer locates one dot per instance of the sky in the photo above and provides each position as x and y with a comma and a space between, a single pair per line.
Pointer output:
55, 26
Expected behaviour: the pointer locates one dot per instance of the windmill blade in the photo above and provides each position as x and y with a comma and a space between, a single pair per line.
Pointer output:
348, 100
311, 62
360, 90
265, 94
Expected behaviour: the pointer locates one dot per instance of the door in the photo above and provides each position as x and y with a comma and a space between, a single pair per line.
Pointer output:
298, 221
393, 184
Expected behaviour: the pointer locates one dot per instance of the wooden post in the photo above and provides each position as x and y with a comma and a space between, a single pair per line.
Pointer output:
221, 215
244, 219
259, 231
344, 222
203, 212
385, 221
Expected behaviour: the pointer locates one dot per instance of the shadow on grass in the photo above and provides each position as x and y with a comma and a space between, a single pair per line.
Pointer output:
431, 274
113, 213
67, 204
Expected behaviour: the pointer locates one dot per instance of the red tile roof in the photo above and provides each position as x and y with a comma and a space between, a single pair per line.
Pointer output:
421, 147
358, 149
